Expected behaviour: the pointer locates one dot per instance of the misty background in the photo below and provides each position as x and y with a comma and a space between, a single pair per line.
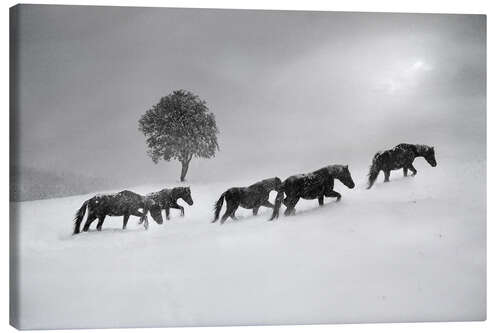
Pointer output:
291, 91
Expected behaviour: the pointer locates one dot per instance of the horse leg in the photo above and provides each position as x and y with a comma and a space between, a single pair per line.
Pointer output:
177, 206
125, 221
268, 204
255, 210
413, 170
333, 194
233, 216
321, 200
101, 221
167, 213
387, 174
405, 171
139, 214
291, 206
225, 216
230, 210
143, 217
90, 218
286, 203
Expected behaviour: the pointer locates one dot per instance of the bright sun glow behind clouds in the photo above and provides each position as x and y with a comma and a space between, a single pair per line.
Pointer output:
405, 77
420, 65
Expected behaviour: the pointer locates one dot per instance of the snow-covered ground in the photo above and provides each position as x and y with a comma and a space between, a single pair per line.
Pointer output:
410, 250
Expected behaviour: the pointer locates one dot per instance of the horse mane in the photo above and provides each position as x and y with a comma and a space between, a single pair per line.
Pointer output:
419, 150
335, 169
176, 192
268, 183
422, 150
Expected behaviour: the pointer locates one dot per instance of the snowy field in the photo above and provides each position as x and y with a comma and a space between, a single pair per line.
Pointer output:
410, 250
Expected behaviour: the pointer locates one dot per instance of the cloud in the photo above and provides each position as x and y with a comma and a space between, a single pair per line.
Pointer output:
287, 84
403, 78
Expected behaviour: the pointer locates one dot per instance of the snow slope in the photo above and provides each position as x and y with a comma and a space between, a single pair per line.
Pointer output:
410, 250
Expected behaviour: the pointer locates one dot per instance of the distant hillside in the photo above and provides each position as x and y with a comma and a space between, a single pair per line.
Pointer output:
34, 184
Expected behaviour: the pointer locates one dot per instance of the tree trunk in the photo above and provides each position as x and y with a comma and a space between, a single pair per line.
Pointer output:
185, 166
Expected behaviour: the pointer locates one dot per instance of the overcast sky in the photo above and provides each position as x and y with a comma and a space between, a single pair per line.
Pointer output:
297, 90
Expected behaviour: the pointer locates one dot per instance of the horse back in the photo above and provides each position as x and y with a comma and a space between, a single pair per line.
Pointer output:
305, 185
116, 204
407, 147
127, 195
400, 156
260, 183
162, 197
266, 185
247, 197
235, 194
295, 179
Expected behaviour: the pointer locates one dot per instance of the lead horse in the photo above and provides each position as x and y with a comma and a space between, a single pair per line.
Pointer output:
310, 186
124, 203
251, 197
401, 156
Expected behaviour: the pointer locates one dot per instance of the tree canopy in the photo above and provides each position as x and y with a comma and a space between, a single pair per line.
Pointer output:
180, 127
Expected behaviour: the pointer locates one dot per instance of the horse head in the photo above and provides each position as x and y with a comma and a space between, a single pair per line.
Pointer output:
155, 210
276, 183
185, 195
345, 176
429, 156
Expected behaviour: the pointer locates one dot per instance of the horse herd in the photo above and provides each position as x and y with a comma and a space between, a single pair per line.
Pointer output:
309, 186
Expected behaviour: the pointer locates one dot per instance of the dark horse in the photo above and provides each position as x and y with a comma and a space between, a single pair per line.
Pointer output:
314, 185
401, 156
167, 198
251, 197
124, 203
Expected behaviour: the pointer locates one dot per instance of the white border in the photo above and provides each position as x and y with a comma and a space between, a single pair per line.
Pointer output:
421, 6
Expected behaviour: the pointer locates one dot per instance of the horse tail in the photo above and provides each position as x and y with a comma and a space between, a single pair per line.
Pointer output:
218, 207
79, 217
277, 202
374, 171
